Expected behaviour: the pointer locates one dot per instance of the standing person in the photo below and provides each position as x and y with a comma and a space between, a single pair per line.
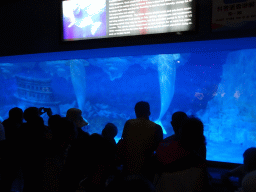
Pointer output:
9, 151
12, 124
75, 115
2, 132
76, 166
141, 138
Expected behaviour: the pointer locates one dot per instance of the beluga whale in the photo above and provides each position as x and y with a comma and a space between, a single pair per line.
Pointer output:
78, 78
167, 74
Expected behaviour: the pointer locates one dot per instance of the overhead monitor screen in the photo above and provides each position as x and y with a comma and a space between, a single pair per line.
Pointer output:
92, 19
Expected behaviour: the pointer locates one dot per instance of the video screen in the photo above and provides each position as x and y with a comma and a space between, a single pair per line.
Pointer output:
92, 19
219, 87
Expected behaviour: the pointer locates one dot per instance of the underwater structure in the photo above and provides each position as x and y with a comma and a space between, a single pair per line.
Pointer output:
34, 89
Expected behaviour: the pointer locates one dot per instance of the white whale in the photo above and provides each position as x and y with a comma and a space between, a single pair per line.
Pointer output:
78, 78
167, 76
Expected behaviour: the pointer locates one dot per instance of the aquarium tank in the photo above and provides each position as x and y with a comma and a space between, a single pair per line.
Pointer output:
216, 84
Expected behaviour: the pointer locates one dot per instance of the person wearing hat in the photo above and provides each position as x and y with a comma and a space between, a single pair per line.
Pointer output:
75, 115
76, 166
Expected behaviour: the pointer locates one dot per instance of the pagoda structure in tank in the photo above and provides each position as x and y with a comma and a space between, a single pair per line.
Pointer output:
34, 90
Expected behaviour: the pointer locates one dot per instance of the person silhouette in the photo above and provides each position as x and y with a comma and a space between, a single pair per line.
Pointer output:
141, 138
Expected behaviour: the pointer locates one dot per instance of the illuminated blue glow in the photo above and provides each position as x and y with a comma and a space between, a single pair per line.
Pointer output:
215, 83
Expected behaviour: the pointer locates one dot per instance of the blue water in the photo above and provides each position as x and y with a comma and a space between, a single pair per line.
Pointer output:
206, 79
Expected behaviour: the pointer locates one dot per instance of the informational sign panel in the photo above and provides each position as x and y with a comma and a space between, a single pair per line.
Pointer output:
146, 17
233, 14
115, 18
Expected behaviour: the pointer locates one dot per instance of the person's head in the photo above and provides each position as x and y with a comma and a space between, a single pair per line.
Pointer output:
35, 129
110, 130
31, 113
178, 120
16, 115
142, 109
75, 115
250, 159
53, 121
63, 130
192, 133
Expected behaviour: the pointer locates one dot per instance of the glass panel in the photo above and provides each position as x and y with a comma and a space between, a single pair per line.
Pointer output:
219, 87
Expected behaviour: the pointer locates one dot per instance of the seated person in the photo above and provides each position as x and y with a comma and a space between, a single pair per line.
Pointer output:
186, 152
178, 119
248, 169
109, 132
190, 141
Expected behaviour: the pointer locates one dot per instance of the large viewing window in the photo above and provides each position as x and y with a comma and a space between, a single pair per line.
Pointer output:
213, 80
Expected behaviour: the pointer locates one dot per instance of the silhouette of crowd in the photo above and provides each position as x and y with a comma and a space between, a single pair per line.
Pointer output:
62, 157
